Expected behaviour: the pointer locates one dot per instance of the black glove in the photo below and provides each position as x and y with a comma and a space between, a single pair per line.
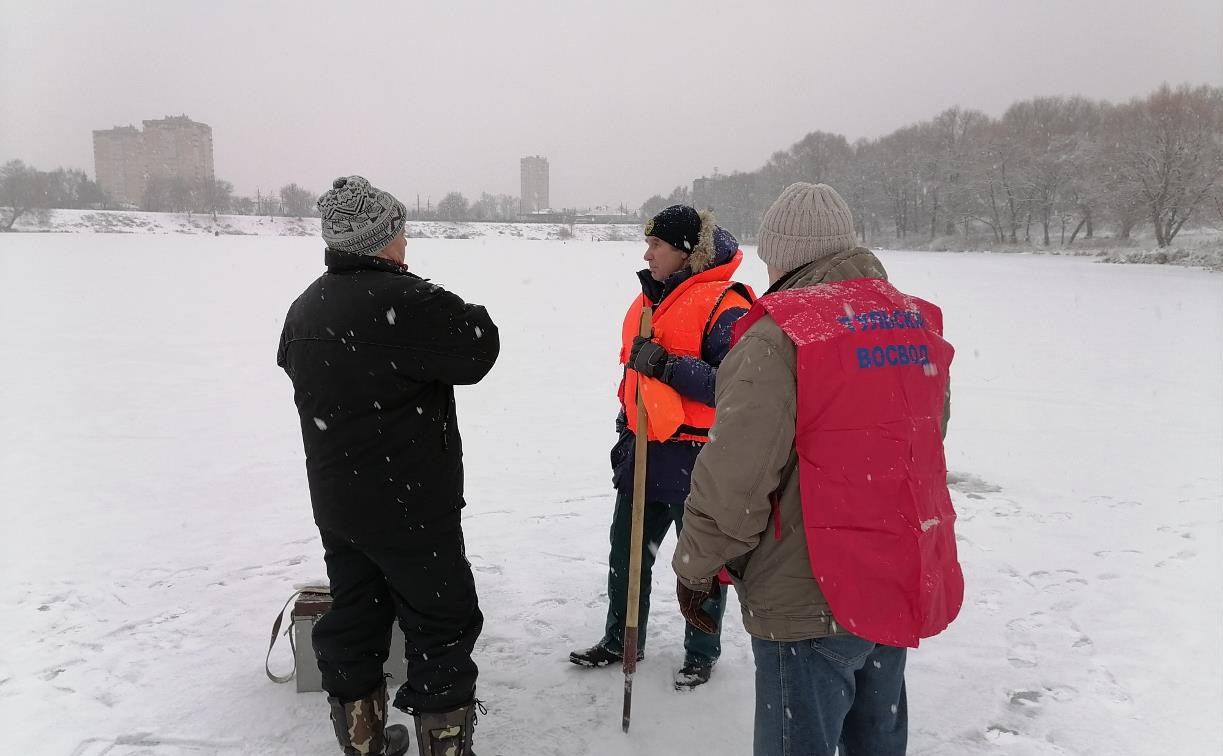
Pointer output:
690, 602
649, 358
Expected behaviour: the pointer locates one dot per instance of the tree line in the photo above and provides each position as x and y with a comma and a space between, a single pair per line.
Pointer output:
25, 190
456, 207
1049, 167
212, 195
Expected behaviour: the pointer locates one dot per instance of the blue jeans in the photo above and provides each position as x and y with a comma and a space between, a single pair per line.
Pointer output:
699, 647
813, 695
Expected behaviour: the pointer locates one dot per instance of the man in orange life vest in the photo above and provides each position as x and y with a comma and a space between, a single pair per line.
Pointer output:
824, 488
696, 304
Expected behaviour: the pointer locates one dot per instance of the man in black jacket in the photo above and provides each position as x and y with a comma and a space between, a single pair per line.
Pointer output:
374, 353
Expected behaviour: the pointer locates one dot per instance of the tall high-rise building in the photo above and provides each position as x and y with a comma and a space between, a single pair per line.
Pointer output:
118, 163
702, 197
175, 147
178, 147
533, 180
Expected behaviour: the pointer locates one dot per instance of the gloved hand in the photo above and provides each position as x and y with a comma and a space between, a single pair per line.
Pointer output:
649, 358
690, 602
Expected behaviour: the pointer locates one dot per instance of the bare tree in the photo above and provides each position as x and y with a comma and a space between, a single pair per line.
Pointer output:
896, 169
156, 198
213, 195
297, 201
481, 209
22, 191
680, 195
1050, 134
652, 206
950, 144
1170, 156
70, 188
507, 206
453, 207
182, 195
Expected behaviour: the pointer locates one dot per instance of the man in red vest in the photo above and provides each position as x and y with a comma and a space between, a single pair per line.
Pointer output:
688, 283
823, 489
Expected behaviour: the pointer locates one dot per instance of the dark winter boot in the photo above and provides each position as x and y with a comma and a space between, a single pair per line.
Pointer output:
447, 734
599, 655
693, 674
360, 726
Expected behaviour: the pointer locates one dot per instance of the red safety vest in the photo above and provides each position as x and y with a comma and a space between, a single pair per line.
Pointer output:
680, 324
872, 382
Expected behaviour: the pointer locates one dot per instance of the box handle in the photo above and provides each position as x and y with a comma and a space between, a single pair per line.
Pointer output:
267, 662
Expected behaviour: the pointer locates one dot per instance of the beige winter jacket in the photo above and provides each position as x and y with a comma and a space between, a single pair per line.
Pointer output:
728, 516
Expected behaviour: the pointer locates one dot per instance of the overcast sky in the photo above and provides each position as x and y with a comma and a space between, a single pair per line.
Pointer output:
626, 99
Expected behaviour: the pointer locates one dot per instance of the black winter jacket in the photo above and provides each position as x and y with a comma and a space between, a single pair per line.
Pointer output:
374, 353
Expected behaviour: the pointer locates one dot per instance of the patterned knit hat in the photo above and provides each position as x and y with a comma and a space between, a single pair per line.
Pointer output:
806, 223
359, 218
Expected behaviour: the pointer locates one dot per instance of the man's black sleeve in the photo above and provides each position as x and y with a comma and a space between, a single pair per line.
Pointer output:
445, 339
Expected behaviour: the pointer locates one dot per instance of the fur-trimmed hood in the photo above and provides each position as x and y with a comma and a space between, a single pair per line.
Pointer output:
716, 246
702, 257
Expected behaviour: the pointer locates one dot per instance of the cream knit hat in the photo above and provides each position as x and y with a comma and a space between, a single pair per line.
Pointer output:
807, 222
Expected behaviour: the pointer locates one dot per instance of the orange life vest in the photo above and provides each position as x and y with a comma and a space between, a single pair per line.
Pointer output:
680, 324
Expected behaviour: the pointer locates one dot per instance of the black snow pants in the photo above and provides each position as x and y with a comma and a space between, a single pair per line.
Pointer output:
428, 587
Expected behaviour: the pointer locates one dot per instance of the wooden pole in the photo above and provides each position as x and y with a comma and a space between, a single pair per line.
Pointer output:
634, 563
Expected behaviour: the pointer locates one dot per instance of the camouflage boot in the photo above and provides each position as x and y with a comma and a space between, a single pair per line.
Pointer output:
447, 734
360, 726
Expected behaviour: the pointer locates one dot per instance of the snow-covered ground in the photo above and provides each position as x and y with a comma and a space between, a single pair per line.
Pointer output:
156, 517
1198, 247
138, 222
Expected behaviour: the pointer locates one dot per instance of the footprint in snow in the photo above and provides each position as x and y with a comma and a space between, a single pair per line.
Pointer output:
1177, 557
1031, 701
968, 483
